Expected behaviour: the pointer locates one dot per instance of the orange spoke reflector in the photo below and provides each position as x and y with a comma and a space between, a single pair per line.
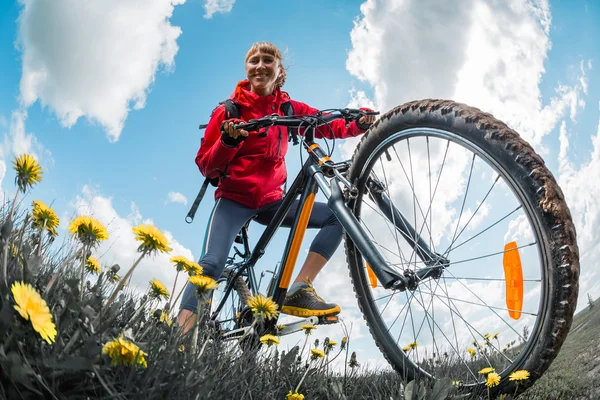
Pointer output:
513, 273
372, 277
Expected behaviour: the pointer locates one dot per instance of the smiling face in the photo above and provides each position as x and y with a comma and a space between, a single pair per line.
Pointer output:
264, 68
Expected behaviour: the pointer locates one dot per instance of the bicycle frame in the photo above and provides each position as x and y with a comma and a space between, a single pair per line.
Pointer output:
313, 177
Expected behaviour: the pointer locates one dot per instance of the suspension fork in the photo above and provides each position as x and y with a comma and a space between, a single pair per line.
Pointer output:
435, 263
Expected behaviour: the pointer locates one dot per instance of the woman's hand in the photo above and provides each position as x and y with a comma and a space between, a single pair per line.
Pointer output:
232, 137
366, 120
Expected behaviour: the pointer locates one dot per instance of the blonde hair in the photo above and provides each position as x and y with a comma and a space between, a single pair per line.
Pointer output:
271, 49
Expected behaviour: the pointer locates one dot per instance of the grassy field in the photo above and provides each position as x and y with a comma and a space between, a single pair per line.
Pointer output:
71, 329
574, 373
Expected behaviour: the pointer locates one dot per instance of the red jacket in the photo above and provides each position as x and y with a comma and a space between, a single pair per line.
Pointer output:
256, 167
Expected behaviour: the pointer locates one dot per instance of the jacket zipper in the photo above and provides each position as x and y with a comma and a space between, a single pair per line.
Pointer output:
279, 142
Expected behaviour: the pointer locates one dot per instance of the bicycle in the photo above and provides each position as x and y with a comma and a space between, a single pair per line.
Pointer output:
395, 258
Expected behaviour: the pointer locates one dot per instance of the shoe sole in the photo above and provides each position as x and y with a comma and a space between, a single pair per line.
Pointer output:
303, 312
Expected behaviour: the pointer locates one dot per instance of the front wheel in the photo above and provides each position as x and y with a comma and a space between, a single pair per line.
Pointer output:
479, 196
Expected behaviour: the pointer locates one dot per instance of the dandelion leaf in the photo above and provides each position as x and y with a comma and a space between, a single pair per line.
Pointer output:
73, 363
34, 264
19, 371
288, 359
6, 314
422, 392
441, 389
409, 391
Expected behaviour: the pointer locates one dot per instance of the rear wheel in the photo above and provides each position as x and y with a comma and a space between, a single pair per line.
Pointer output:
232, 314
479, 195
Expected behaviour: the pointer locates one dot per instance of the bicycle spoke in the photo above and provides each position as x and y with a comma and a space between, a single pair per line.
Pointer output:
485, 305
490, 255
491, 279
472, 216
462, 207
485, 230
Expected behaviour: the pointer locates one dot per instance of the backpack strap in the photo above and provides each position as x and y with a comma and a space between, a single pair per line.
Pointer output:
190, 215
232, 110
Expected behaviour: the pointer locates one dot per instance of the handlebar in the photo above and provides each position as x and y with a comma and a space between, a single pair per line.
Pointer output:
299, 121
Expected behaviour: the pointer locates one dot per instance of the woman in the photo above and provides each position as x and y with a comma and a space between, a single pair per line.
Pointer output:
252, 171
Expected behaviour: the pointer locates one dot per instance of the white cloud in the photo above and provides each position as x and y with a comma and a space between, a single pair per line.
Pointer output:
581, 187
176, 197
121, 247
487, 54
217, 6
17, 141
99, 61
21, 142
3, 121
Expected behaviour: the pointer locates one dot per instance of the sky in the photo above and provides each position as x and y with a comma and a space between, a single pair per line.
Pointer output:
108, 96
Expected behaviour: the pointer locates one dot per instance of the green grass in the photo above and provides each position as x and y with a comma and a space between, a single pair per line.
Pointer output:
74, 366
574, 372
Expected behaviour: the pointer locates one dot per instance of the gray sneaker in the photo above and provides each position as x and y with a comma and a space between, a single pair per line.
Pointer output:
305, 302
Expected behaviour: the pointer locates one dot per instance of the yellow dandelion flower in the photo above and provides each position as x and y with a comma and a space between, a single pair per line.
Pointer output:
519, 375
269, 339
317, 353
152, 239
332, 343
28, 170
487, 370
280, 327
308, 328
158, 290
181, 348
406, 349
471, 351
264, 306
183, 264
493, 379
203, 282
495, 335
164, 318
412, 345
93, 265
124, 352
294, 396
42, 215
33, 307
113, 277
88, 230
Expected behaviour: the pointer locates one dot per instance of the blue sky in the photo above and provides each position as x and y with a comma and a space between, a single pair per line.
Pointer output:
405, 52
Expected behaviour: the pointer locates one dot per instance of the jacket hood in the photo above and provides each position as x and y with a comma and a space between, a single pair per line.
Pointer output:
242, 95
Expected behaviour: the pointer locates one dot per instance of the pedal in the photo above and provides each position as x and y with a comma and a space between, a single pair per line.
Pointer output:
327, 320
236, 333
286, 329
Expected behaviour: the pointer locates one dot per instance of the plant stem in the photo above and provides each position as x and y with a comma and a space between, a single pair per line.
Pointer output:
302, 379
172, 292
199, 310
179, 295
120, 285
82, 272
5, 252
39, 249
137, 312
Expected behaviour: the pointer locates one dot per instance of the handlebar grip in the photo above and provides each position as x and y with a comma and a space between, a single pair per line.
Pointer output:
249, 126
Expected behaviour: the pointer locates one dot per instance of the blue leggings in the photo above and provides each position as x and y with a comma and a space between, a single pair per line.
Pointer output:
227, 219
